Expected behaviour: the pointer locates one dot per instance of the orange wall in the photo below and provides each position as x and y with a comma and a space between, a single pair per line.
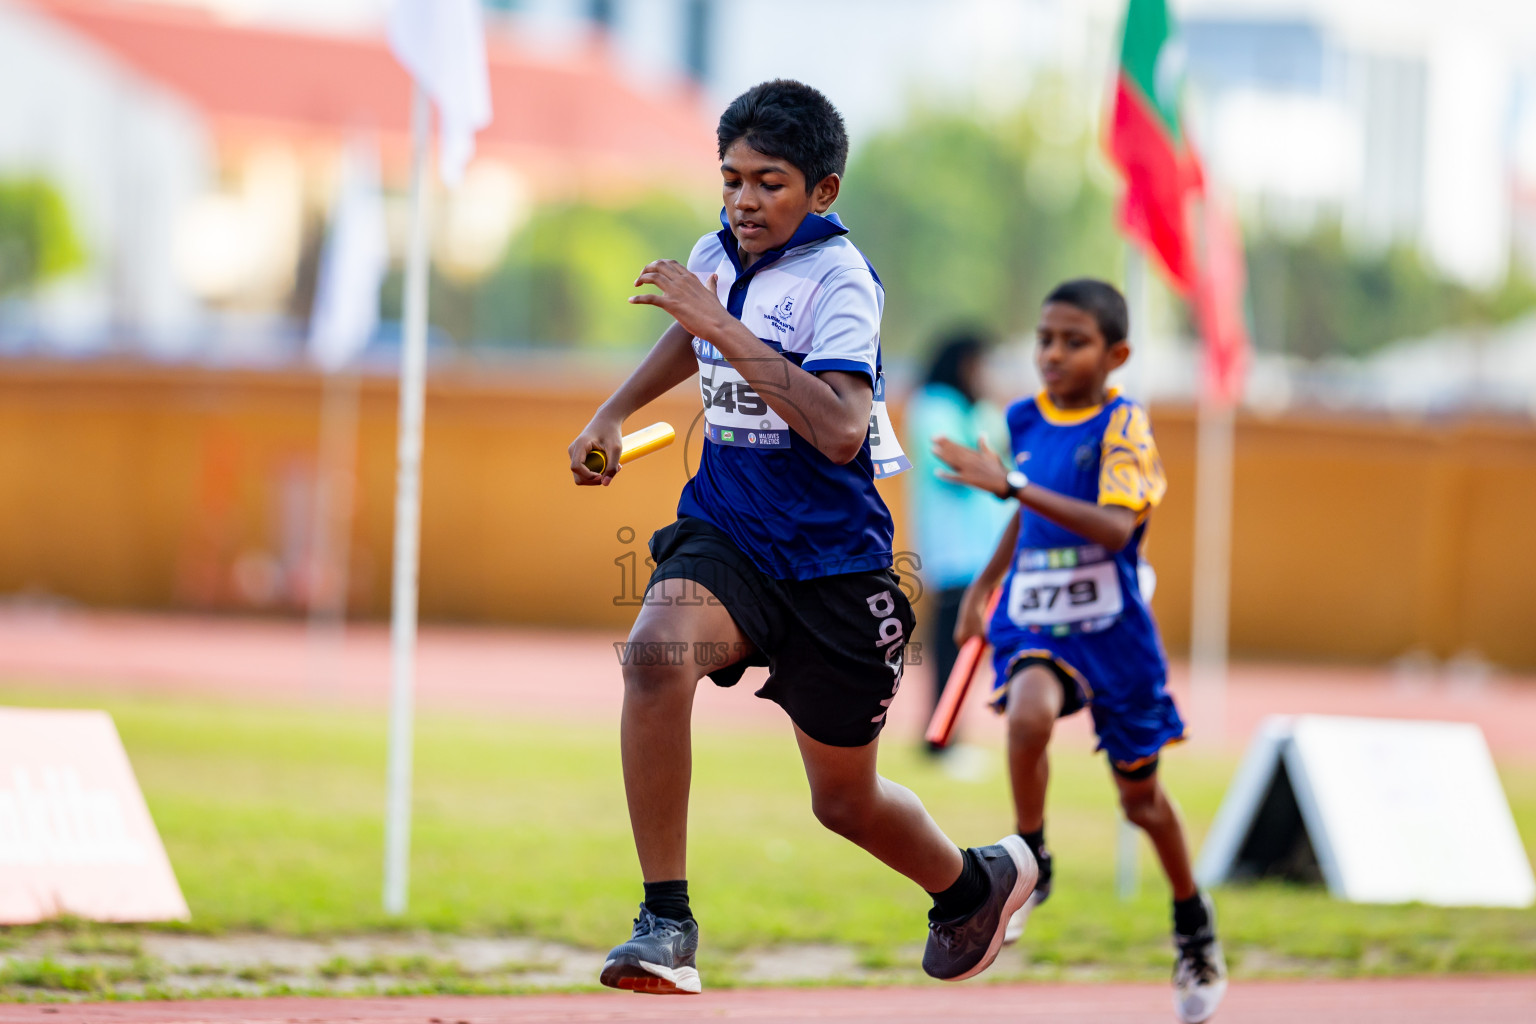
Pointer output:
176, 488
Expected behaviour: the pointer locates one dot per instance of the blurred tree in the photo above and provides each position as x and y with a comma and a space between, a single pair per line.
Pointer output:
967, 218
974, 220
38, 239
1313, 296
568, 272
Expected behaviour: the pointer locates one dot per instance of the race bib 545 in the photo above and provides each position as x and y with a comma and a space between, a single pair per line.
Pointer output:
734, 413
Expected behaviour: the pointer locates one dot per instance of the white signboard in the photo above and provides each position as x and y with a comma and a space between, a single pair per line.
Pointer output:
1393, 811
75, 835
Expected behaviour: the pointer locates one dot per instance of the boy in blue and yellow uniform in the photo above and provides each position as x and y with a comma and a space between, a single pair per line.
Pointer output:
1072, 628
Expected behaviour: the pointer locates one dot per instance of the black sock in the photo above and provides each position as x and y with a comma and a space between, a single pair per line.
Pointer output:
968, 892
669, 899
1189, 916
1036, 842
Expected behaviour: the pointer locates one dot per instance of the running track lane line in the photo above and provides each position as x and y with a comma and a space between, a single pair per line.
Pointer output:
1499, 1000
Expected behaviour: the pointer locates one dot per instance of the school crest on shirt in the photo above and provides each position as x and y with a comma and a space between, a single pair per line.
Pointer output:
779, 315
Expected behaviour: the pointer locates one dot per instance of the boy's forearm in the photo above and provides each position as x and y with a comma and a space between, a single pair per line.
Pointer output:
991, 577
835, 421
670, 362
1108, 525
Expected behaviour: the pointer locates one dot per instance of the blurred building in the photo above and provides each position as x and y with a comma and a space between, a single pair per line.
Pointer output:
1406, 121
129, 155
876, 59
199, 155
1405, 129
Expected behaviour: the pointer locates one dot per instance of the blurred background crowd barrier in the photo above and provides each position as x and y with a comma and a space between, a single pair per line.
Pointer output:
192, 489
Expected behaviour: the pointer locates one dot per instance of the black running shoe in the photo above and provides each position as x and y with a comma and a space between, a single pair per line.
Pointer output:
1200, 972
657, 959
966, 946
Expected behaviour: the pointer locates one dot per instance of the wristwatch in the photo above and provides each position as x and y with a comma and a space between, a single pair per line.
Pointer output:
1017, 481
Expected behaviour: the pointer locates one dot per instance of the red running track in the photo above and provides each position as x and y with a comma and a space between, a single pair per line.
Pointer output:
1504, 1000
543, 674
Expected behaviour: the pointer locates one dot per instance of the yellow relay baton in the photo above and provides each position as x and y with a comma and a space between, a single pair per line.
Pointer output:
633, 445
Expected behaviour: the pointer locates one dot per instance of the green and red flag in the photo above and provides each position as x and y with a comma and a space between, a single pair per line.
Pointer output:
1218, 300
1147, 141
1166, 209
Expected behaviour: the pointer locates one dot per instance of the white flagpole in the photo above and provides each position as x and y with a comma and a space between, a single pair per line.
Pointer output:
331, 552
1138, 385
1138, 372
345, 316
1214, 430
413, 363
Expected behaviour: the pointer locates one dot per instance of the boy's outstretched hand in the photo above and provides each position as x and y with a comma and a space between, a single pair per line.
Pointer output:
979, 467
691, 302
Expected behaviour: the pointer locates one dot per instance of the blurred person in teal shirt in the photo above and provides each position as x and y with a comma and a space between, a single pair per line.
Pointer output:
955, 527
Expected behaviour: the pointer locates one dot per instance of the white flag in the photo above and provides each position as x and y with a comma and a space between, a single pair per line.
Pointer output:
353, 265
442, 44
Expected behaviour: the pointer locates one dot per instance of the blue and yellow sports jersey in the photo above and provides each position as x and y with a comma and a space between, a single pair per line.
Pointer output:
1073, 603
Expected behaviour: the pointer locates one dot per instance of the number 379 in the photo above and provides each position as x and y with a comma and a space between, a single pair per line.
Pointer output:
1077, 593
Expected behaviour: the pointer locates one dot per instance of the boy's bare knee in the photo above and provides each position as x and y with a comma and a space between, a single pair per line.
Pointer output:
655, 666
842, 811
650, 681
1143, 808
1034, 701
1029, 728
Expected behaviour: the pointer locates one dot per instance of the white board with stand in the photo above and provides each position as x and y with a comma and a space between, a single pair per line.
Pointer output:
1383, 810
76, 838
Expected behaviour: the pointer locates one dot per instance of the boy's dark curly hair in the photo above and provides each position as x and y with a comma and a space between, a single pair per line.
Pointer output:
1099, 299
789, 120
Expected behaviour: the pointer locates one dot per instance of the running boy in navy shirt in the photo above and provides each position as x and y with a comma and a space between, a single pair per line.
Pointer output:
781, 552
1072, 628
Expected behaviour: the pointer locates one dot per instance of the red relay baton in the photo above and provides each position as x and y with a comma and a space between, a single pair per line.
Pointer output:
941, 727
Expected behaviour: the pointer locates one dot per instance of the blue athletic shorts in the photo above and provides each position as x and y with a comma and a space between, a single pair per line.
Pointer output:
1134, 719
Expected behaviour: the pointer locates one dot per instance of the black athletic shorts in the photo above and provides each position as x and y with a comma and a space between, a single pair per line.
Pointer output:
833, 645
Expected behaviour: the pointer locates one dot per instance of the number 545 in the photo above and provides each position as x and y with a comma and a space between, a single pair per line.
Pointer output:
735, 396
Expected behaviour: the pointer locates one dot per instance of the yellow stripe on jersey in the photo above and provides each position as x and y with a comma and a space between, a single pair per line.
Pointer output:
1131, 472
1058, 417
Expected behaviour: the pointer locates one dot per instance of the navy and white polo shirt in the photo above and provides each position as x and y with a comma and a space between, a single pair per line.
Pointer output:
794, 512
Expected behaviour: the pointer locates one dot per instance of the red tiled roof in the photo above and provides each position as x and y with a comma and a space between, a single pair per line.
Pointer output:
566, 113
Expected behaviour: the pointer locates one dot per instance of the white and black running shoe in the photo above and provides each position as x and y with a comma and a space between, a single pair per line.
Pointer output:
1200, 972
966, 946
658, 959
1042, 893
1020, 917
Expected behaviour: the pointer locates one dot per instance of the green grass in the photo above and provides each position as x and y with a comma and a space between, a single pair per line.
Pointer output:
273, 819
